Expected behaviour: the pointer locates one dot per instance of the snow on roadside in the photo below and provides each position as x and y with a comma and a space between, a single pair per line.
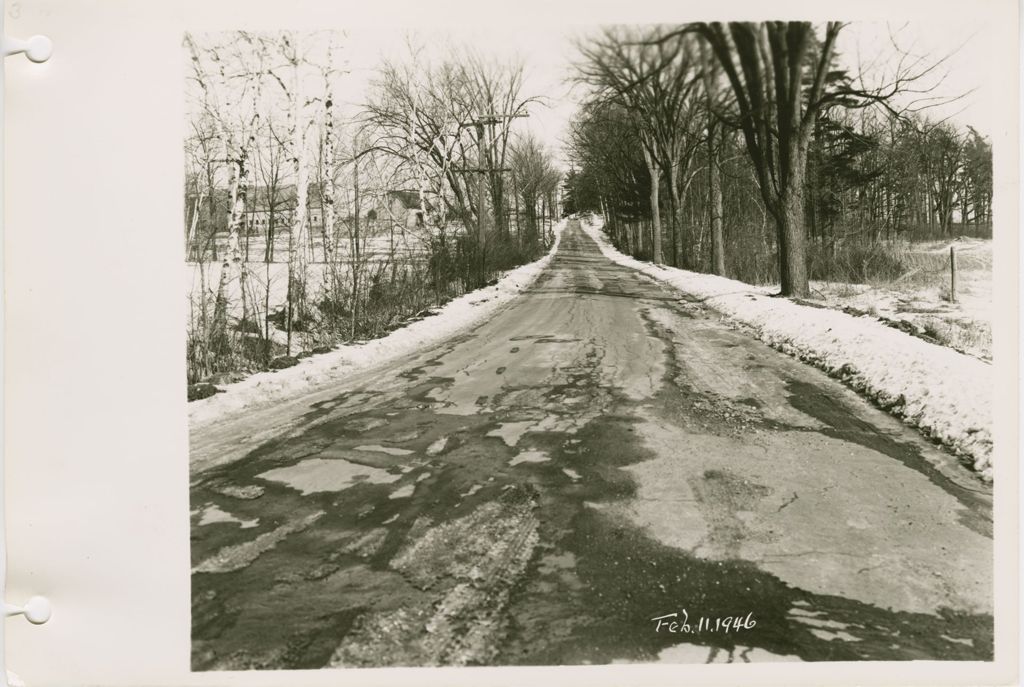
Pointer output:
319, 371
964, 326
946, 394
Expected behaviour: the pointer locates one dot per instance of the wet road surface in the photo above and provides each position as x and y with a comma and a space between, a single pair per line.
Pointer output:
600, 453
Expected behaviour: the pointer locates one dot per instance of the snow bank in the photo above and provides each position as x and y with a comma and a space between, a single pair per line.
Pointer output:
319, 371
946, 394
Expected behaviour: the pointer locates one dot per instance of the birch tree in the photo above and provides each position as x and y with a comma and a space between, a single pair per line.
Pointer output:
327, 170
235, 147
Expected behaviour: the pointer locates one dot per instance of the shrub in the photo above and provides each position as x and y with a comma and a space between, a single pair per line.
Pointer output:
201, 390
857, 262
283, 361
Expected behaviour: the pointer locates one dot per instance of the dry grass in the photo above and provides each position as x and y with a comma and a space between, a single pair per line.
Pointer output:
962, 335
908, 284
326, 312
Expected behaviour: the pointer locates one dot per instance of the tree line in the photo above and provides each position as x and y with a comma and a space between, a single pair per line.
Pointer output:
748, 150
311, 220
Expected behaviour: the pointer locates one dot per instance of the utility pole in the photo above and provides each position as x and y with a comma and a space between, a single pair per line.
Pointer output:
481, 183
481, 188
355, 248
952, 274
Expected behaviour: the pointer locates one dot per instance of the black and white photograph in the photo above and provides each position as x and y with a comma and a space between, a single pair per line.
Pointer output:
589, 344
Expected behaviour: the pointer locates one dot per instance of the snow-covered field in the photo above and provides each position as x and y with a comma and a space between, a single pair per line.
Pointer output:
944, 393
920, 299
320, 371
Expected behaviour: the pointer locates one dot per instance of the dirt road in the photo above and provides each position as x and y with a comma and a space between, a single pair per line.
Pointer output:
601, 453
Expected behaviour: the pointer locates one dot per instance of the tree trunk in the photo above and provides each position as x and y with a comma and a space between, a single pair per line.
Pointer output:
327, 186
714, 173
298, 254
232, 257
543, 218
301, 230
212, 238
355, 249
515, 195
793, 241
679, 256
481, 186
715, 209
652, 169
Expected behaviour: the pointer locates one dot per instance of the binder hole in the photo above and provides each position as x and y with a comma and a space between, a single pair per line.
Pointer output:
36, 610
39, 50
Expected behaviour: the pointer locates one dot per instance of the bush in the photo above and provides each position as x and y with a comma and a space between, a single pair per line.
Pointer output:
200, 391
391, 293
257, 350
247, 326
334, 308
283, 361
858, 262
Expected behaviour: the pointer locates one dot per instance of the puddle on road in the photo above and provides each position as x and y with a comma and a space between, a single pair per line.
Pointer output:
318, 475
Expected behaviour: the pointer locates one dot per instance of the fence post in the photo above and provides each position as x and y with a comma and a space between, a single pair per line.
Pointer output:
952, 274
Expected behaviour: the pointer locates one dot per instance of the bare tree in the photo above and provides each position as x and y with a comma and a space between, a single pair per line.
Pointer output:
236, 141
535, 179
709, 77
653, 77
606, 145
777, 72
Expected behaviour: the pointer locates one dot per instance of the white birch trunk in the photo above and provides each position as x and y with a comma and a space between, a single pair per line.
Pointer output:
232, 256
299, 244
327, 178
193, 225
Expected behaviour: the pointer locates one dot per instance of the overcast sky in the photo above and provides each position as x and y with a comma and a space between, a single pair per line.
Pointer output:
548, 53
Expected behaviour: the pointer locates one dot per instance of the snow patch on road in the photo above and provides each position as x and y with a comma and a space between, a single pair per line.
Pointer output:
530, 456
212, 514
323, 370
511, 432
317, 475
437, 446
403, 492
946, 394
